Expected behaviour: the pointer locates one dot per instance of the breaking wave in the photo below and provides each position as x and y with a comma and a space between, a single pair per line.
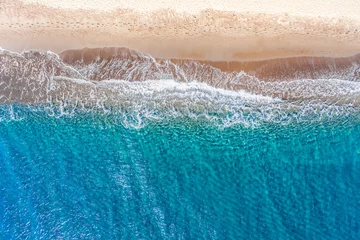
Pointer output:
136, 89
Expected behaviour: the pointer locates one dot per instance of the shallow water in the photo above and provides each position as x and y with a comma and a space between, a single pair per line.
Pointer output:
175, 159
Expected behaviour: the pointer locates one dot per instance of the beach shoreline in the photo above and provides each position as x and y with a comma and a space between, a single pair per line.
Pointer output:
267, 70
208, 34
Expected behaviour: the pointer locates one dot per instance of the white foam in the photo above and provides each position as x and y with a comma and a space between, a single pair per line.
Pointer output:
137, 103
74, 80
175, 86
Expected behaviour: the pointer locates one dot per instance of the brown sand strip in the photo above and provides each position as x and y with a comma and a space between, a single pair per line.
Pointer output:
269, 70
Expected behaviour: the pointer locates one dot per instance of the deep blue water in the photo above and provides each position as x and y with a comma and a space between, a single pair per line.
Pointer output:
89, 177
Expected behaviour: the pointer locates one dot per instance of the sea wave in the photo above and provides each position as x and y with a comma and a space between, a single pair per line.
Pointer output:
138, 89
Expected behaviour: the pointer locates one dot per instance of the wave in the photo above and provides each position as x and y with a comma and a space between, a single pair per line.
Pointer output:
118, 63
138, 89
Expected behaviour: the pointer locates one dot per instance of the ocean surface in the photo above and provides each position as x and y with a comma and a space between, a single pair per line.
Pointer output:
137, 148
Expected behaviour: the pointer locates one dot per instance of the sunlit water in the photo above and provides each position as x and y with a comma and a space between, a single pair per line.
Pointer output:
153, 149
89, 177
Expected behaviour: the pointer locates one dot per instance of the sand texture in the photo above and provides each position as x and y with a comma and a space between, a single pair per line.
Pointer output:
205, 32
267, 70
315, 8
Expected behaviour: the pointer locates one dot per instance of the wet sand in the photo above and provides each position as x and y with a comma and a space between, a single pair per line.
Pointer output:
281, 69
36, 77
215, 34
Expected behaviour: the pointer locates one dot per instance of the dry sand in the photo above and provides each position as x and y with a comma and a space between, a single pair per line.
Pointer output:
314, 8
204, 30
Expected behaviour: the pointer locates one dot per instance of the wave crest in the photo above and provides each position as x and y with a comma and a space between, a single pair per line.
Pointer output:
139, 88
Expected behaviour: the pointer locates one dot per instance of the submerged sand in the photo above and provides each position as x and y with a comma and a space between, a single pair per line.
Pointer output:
226, 31
282, 69
38, 77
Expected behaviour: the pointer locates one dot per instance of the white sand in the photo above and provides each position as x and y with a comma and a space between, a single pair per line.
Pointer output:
208, 30
324, 8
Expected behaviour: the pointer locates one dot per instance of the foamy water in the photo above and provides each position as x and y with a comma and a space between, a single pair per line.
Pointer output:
128, 146
139, 88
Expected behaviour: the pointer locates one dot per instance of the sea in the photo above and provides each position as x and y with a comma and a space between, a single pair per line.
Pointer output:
133, 147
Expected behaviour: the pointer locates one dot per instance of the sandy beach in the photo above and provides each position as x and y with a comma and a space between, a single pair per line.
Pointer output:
201, 30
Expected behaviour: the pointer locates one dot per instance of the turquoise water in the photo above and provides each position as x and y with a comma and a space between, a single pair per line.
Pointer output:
88, 176
133, 147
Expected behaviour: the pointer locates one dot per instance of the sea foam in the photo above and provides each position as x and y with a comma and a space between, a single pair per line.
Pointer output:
136, 94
